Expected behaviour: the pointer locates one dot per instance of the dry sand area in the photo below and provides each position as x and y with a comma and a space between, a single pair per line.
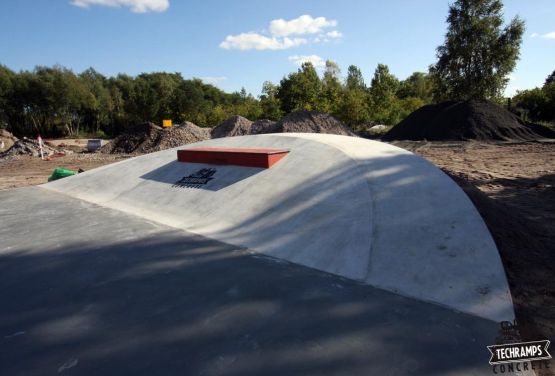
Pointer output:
26, 170
512, 185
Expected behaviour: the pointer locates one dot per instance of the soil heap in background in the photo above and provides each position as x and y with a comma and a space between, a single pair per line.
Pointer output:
312, 122
479, 120
27, 146
149, 137
142, 136
233, 126
182, 134
263, 126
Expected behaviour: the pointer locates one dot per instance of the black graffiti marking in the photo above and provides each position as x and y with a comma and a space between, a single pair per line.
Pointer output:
197, 179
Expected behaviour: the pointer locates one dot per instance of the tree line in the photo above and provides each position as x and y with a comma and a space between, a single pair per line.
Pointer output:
54, 101
474, 61
538, 104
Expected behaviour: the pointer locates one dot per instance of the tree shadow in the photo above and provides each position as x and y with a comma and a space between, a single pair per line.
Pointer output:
162, 301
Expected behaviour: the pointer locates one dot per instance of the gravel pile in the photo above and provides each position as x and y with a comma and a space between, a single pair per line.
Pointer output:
312, 122
479, 120
264, 126
27, 146
149, 137
233, 126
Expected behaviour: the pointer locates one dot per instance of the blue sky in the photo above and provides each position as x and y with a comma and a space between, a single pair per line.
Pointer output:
238, 43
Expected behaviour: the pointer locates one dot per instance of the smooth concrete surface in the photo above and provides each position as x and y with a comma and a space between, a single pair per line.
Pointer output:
87, 290
360, 209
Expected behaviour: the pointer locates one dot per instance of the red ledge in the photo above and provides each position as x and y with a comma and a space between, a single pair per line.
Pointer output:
262, 158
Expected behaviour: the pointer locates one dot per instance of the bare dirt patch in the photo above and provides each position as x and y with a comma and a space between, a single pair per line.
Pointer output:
26, 170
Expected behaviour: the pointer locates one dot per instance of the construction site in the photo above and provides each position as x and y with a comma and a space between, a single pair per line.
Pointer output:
294, 247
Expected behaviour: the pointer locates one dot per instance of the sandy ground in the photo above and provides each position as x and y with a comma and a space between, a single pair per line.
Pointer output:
512, 185
22, 171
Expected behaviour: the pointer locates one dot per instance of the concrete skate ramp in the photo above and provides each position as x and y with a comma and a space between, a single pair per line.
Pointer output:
359, 209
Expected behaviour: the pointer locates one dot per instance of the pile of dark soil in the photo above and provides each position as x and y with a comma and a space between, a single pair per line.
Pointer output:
27, 146
233, 126
263, 126
479, 120
136, 139
312, 122
149, 137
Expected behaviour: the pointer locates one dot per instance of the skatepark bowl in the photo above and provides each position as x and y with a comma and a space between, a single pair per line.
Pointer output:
344, 256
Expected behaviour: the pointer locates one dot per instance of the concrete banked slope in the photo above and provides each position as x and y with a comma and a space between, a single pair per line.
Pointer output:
360, 209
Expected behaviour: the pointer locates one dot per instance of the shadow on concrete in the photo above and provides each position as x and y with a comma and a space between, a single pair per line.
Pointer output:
177, 174
178, 304
111, 294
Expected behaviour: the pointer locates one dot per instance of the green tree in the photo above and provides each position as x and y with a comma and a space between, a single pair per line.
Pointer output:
354, 107
332, 90
6, 94
300, 90
550, 79
417, 85
478, 53
354, 78
531, 104
98, 105
269, 102
383, 89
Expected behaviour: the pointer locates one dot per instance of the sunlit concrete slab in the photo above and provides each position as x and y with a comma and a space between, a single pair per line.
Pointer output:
90, 290
359, 209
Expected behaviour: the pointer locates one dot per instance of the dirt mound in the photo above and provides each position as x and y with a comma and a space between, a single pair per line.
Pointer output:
27, 146
263, 126
149, 137
312, 122
6, 140
178, 135
465, 120
141, 136
233, 126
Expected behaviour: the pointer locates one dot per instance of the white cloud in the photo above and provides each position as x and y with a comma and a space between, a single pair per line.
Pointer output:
137, 6
302, 25
213, 80
334, 34
249, 41
280, 34
549, 35
534, 35
316, 60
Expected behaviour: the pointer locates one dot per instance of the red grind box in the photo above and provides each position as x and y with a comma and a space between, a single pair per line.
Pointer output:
263, 158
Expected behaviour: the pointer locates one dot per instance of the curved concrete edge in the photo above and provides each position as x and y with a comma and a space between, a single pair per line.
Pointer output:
361, 209
437, 241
